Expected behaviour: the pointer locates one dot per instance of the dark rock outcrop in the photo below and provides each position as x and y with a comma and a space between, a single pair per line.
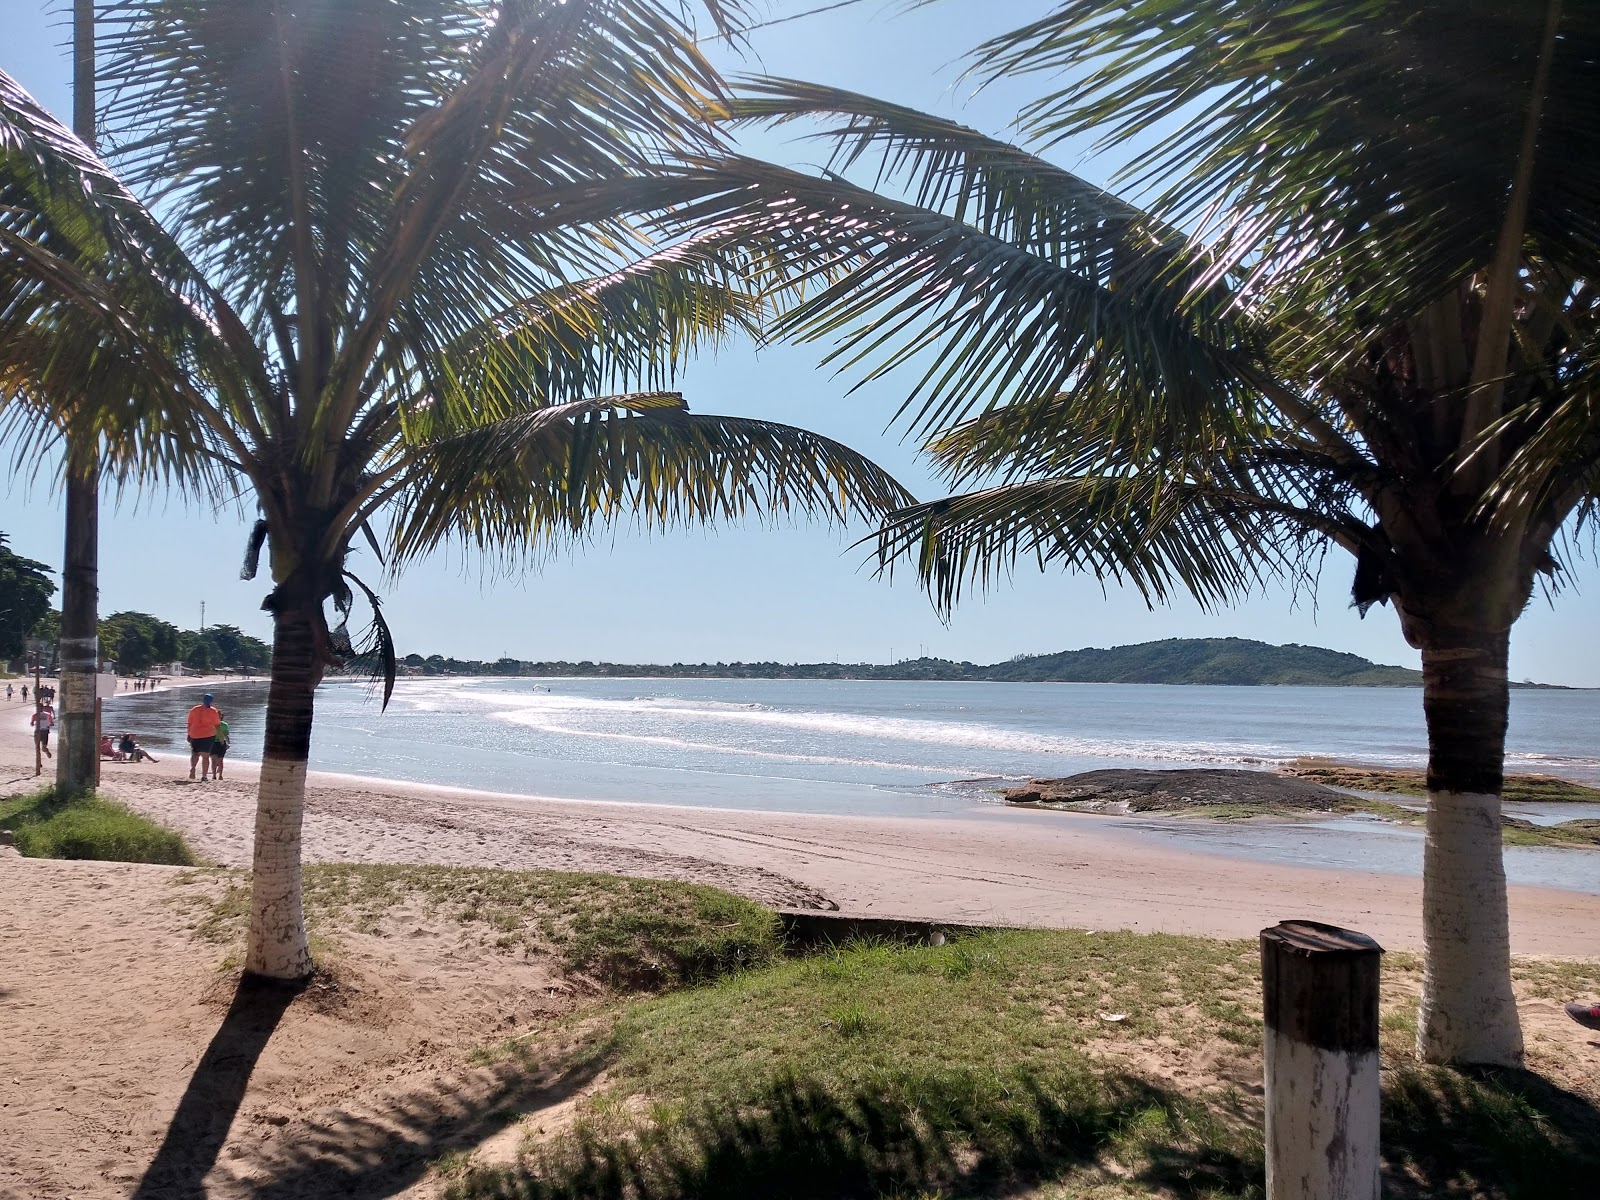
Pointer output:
1130, 790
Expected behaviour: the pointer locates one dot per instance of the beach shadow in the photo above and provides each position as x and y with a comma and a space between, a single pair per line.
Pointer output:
1510, 1133
796, 1140
200, 1125
800, 1140
372, 1155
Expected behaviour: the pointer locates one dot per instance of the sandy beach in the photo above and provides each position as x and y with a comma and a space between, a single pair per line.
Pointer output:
120, 1068
1008, 867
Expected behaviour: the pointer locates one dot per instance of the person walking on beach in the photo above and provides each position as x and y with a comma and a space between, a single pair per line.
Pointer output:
8, 693
219, 747
203, 721
43, 721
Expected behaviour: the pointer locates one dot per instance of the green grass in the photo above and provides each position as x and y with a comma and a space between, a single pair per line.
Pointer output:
1580, 834
883, 1070
983, 1068
1558, 979
1505, 1134
1402, 782
635, 934
89, 827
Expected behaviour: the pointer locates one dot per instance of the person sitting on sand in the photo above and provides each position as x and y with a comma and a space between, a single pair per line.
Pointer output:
133, 752
108, 750
203, 721
219, 745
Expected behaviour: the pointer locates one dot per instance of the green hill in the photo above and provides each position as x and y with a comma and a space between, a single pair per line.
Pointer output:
1206, 660
1236, 661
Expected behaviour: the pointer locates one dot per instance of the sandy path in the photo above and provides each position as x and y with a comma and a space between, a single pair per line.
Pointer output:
128, 1066
68, 1086
1011, 867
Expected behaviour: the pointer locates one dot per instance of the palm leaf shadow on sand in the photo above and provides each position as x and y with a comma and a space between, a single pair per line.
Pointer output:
209, 1104
796, 1140
366, 1155
1513, 1133
799, 1140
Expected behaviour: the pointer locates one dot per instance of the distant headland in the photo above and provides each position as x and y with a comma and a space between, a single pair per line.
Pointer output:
1230, 661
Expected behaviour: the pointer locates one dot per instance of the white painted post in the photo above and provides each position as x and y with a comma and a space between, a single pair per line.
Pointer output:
1319, 990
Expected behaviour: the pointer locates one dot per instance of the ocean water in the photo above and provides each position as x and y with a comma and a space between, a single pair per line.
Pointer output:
897, 748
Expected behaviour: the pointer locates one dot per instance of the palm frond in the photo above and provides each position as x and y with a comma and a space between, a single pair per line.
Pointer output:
1146, 531
524, 482
95, 302
632, 328
895, 285
981, 181
1361, 148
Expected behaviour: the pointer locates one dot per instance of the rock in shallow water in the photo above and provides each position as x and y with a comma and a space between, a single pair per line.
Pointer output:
1131, 790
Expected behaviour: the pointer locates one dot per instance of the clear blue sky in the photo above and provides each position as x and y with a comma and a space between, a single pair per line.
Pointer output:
743, 593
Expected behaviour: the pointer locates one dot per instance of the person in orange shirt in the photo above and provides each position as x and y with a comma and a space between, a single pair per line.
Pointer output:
203, 721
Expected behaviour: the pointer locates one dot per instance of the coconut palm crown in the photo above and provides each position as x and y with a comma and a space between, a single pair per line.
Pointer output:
397, 268
1359, 310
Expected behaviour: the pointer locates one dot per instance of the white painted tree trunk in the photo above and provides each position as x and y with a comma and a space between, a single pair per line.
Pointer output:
1322, 1121
278, 946
1468, 1012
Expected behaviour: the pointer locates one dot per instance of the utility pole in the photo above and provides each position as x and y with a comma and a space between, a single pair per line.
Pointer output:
77, 756
202, 616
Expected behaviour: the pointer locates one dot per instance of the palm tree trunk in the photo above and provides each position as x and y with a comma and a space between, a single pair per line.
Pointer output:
78, 748
1468, 1013
277, 945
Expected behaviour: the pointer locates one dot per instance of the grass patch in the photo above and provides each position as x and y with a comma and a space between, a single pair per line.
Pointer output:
636, 934
1516, 831
1558, 979
1580, 834
1415, 783
879, 1070
43, 825
1238, 812
1493, 1133
984, 1068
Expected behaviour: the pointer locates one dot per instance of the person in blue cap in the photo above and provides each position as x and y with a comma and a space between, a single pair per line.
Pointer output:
203, 721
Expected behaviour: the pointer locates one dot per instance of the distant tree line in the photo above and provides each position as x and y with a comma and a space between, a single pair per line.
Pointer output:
25, 591
139, 641
1231, 661
135, 641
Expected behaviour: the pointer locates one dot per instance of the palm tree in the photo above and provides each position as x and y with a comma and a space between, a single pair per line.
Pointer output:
78, 754
1362, 312
408, 285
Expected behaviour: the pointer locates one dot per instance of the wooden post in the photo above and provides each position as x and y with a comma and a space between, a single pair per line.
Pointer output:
1319, 991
